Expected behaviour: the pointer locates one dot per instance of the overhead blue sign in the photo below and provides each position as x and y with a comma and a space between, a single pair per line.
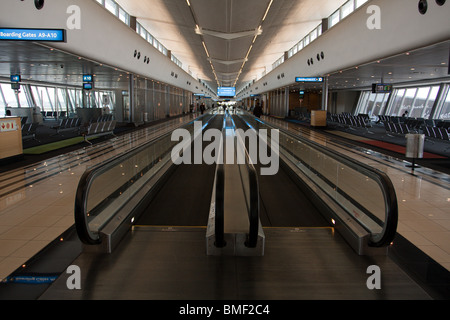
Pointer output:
52, 35
15, 78
226, 91
88, 78
309, 79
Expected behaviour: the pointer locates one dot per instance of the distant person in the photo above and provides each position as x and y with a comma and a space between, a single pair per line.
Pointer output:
257, 111
202, 108
405, 114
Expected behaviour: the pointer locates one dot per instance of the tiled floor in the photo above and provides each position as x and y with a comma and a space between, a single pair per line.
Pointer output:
37, 201
423, 197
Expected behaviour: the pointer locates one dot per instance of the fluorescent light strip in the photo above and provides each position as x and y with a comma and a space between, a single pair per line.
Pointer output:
254, 39
267, 11
204, 46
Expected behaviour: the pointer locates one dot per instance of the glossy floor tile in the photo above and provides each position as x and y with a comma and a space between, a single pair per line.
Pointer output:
423, 195
37, 201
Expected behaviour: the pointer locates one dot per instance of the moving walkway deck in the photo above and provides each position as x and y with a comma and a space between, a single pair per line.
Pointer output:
304, 257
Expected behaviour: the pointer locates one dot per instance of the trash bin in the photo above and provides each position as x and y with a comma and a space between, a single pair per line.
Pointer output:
414, 145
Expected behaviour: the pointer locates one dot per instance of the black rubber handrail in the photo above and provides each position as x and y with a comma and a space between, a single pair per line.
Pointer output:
253, 212
253, 205
80, 210
219, 220
390, 198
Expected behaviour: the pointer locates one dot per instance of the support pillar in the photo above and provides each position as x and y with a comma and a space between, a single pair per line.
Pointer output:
325, 94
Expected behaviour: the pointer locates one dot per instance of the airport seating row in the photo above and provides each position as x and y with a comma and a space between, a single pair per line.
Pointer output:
359, 121
431, 128
29, 130
98, 129
68, 124
302, 115
440, 133
397, 128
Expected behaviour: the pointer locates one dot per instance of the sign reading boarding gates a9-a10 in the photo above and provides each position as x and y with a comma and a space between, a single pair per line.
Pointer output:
47, 35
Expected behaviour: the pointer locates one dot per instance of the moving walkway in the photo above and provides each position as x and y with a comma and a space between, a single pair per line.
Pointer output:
155, 230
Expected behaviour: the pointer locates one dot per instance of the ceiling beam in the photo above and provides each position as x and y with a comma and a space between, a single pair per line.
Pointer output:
227, 35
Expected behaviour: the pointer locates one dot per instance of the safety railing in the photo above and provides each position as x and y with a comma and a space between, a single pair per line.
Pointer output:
219, 204
250, 186
366, 194
111, 190
235, 200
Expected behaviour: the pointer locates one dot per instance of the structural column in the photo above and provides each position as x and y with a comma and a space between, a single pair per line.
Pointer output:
132, 96
286, 101
325, 94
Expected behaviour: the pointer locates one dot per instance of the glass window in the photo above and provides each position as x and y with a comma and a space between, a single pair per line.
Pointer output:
396, 102
111, 6
313, 35
306, 40
359, 3
9, 94
23, 98
419, 102
2, 102
123, 16
407, 102
62, 99
362, 103
290, 53
334, 19
426, 112
370, 103
380, 103
143, 33
444, 113
347, 9
48, 99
